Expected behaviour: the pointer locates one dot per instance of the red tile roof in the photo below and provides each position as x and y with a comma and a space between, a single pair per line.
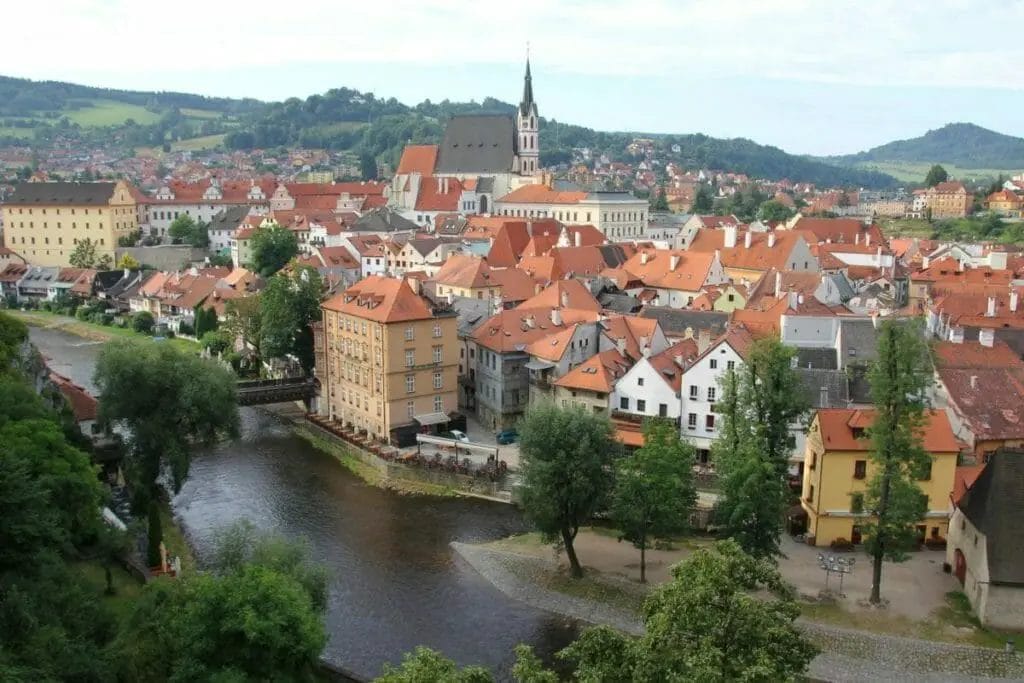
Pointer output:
382, 299
417, 159
439, 194
563, 294
83, 405
838, 424
542, 194
598, 373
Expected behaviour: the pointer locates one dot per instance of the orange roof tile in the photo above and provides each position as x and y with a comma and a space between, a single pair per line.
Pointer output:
418, 159
542, 194
654, 267
382, 299
461, 270
515, 329
563, 294
838, 425
598, 373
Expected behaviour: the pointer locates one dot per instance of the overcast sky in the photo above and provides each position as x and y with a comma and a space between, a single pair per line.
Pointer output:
810, 76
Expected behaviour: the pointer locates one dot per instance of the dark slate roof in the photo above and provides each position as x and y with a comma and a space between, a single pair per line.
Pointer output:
425, 245
822, 359
478, 144
995, 505
485, 185
90, 194
824, 388
675, 321
619, 303
858, 341
230, 218
613, 254
383, 220
471, 314
843, 285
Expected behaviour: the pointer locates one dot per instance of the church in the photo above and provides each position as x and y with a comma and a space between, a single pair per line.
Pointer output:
481, 157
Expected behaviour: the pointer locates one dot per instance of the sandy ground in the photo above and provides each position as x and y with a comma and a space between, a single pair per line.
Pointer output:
914, 589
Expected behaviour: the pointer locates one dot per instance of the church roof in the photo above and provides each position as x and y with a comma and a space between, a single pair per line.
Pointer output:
527, 103
478, 144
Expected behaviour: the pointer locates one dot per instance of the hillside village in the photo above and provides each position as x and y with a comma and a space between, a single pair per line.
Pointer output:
470, 281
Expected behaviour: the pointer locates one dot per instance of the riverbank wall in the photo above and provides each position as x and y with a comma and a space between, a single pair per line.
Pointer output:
397, 476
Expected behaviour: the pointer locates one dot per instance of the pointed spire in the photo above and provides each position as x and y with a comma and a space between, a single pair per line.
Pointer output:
527, 103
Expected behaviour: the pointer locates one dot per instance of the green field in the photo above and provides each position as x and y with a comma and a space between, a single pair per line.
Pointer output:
193, 144
200, 113
15, 132
914, 172
111, 113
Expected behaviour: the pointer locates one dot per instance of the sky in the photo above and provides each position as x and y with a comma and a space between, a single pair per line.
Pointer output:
809, 76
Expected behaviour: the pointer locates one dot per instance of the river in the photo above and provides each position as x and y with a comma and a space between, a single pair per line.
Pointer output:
396, 582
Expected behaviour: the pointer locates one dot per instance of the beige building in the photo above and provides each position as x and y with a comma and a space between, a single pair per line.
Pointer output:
391, 360
43, 222
948, 200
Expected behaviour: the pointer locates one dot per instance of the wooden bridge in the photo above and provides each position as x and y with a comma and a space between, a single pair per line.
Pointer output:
259, 392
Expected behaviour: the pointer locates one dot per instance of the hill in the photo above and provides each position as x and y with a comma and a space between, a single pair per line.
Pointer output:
348, 120
963, 145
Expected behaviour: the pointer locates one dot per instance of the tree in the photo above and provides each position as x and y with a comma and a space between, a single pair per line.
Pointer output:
128, 261
368, 166
215, 342
705, 625
185, 230
773, 210
205, 321
703, 202
288, 305
84, 254
660, 203
654, 491
899, 381
143, 322
424, 665
155, 535
243, 321
567, 459
167, 400
936, 174
760, 401
272, 247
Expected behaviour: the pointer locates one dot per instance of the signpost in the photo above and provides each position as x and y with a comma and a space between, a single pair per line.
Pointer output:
838, 565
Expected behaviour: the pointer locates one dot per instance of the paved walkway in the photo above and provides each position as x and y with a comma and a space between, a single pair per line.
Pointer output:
847, 656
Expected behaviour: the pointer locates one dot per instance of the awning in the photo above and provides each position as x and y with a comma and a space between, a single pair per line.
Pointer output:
539, 365
432, 419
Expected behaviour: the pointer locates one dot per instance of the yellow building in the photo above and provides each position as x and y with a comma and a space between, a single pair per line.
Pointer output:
391, 360
838, 469
44, 221
948, 200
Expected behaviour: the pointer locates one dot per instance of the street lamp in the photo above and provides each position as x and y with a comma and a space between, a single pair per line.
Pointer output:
838, 565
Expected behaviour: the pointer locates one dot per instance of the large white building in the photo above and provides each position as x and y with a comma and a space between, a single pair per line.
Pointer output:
618, 215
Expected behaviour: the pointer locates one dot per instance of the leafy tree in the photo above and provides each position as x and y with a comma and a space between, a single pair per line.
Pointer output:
760, 401
424, 665
660, 202
567, 459
155, 535
84, 254
206, 321
215, 342
654, 491
167, 399
936, 174
705, 625
368, 166
129, 262
703, 202
899, 381
272, 247
222, 260
13, 334
288, 305
773, 210
185, 230
243, 321
143, 322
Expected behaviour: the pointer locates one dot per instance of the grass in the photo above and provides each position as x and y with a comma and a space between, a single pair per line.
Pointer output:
127, 588
110, 113
194, 144
952, 623
915, 172
93, 331
907, 227
199, 113
10, 131
593, 586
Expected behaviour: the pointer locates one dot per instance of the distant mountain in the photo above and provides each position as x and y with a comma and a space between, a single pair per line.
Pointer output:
349, 120
961, 144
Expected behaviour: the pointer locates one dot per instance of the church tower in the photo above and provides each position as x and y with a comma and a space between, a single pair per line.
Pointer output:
528, 127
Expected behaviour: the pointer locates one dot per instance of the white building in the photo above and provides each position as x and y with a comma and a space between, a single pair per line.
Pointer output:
651, 387
618, 215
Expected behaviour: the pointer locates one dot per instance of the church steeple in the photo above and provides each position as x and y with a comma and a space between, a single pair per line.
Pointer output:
528, 127
527, 103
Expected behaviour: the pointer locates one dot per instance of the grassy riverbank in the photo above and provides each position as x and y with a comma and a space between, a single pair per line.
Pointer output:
369, 474
88, 330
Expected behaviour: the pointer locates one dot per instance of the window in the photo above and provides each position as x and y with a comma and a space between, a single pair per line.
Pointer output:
694, 392
437, 354
810, 493
410, 358
857, 502
410, 383
691, 421
860, 469
410, 409
409, 332
437, 380
639, 381
437, 329
814, 461
438, 404
711, 394
714, 363
641, 405
926, 473
662, 410
709, 423
624, 403
730, 365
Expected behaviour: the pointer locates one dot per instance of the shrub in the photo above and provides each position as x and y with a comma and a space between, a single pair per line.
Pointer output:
106, 319
185, 328
143, 322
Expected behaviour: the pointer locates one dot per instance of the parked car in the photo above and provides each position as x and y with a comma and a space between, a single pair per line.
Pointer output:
457, 435
508, 436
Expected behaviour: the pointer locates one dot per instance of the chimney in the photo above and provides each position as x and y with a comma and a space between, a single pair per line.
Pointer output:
678, 359
703, 340
673, 262
987, 337
530, 321
778, 284
771, 239
867, 239
823, 400
620, 345
856, 238
556, 316
1013, 300
538, 288
565, 299
439, 185
974, 381
645, 349
925, 261
878, 257
730, 236
748, 238
991, 310
794, 299
578, 239
643, 258
446, 185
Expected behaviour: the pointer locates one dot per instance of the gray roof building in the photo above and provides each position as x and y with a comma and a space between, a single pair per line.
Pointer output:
483, 143
675, 321
994, 505
94, 194
383, 219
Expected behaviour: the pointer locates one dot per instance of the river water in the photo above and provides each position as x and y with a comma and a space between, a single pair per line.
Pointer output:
396, 583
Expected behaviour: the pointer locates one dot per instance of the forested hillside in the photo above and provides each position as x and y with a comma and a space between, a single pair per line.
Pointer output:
962, 144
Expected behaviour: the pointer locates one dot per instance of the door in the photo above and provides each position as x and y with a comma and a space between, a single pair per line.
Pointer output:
959, 566
856, 537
